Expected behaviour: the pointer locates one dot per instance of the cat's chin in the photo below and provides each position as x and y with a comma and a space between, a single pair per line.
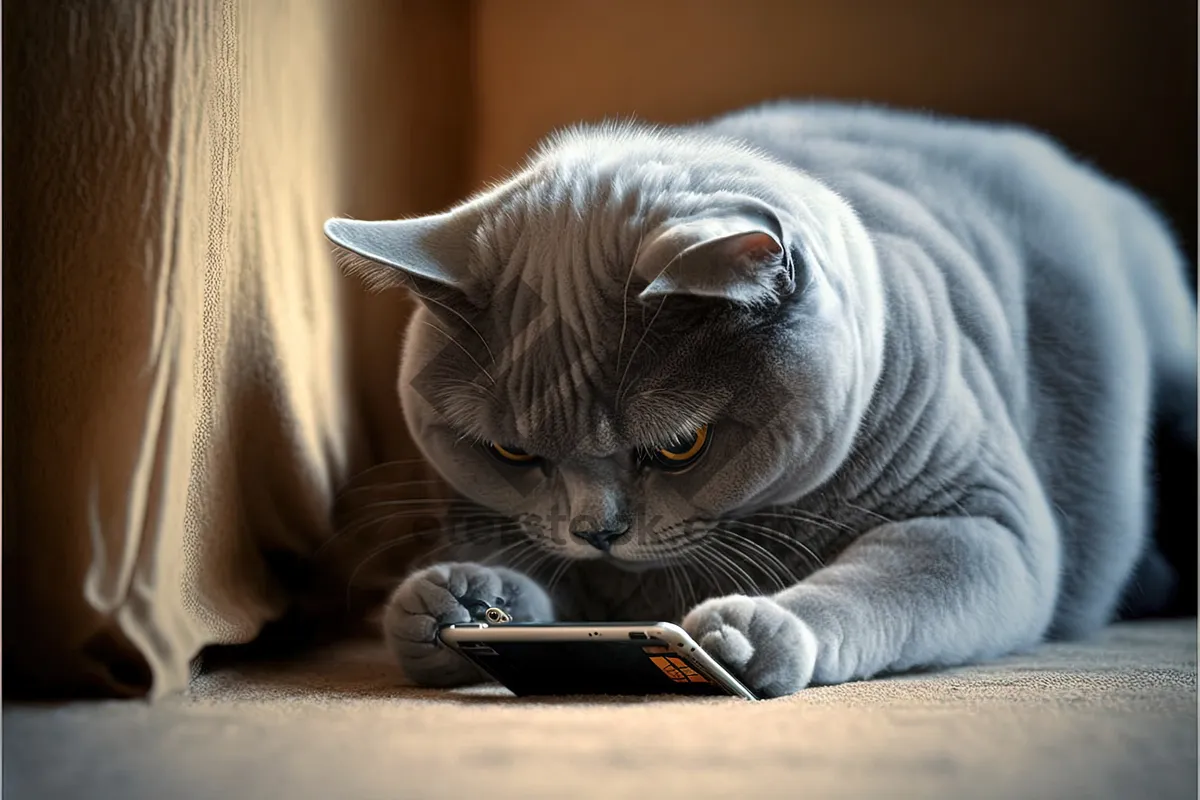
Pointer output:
610, 559
633, 565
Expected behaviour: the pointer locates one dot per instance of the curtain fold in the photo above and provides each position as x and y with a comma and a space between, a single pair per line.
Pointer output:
179, 413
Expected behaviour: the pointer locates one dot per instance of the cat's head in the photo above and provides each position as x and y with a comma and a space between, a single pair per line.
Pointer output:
638, 334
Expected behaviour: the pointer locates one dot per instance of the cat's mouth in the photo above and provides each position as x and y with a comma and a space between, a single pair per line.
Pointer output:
634, 551
635, 565
671, 546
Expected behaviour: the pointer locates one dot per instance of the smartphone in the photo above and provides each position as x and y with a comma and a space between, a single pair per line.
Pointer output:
563, 658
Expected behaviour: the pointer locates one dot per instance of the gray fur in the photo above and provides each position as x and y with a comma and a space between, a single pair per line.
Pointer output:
930, 350
451, 593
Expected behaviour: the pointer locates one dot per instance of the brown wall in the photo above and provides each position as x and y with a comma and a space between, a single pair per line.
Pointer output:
404, 110
1116, 81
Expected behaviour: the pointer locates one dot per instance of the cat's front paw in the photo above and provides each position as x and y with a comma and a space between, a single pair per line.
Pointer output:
448, 594
766, 647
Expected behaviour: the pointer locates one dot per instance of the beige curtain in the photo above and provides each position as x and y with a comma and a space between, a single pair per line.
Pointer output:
180, 402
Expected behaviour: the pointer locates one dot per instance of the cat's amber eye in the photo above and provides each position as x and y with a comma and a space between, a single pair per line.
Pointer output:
511, 455
684, 451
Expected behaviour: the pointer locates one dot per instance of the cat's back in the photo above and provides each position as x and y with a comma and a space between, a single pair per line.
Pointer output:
1047, 232
1066, 285
831, 140
960, 174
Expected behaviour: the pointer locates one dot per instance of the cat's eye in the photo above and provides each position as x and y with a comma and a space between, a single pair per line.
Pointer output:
511, 455
684, 451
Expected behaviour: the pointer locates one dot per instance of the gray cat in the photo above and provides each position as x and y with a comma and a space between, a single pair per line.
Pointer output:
850, 390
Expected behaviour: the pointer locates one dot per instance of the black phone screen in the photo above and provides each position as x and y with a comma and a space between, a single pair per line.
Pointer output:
632, 667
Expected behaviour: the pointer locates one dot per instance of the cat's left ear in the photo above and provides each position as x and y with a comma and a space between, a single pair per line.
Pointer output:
742, 255
430, 256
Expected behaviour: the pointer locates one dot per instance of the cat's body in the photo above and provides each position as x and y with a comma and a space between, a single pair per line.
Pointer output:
1064, 292
931, 353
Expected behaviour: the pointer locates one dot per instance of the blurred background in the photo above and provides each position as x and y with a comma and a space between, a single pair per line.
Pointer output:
455, 92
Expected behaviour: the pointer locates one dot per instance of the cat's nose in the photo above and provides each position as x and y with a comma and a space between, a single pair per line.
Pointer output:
602, 538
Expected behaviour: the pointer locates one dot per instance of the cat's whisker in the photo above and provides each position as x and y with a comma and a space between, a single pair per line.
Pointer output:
541, 559
415, 506
399, 462
633, 355
533, 558
470, 385
868, 512
536, 551
493, 533
559, 572
958, 505
786, 575
517, 562
353, 528
475, 518
495, 556
367, 520
625, 292
408, 537
673, 583
434, 504
685, 556
350, 530
801, 515
716, 561
435, 554
377, 551
772, 567
705, 570
733, 551
691, 588
452, 534
816, 520
685, 593
719, 566
795, 545
349, 490
461, 538
393, 485
358, 476
466, 352
474, 330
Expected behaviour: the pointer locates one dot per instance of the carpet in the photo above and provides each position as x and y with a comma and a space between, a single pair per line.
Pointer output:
1112, 717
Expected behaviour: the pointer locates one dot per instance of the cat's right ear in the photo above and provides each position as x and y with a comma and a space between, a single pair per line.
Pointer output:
742, 255
430, 256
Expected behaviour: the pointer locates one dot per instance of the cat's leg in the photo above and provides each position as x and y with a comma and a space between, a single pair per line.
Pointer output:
450, 593
924, 592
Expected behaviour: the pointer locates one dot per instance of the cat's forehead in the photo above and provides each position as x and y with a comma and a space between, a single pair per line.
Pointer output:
580, 363
556, 229
566, 392
589, 198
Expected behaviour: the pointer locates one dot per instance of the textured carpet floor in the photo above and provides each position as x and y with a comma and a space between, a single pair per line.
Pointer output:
1114, 717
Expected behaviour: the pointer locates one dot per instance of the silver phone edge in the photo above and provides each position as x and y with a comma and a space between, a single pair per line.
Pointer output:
673, 635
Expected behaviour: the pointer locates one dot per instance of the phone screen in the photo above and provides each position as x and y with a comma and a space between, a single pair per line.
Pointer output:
598, 667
